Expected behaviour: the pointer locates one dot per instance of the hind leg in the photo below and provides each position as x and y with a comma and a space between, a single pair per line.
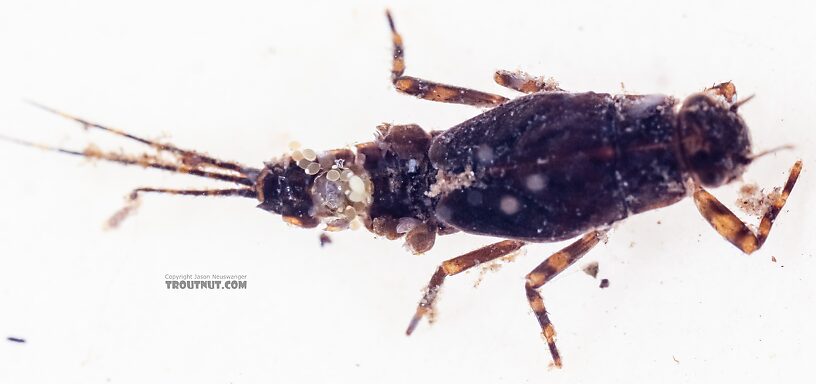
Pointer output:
731, 227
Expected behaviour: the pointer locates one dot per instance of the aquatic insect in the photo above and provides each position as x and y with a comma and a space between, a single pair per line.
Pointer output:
547, 166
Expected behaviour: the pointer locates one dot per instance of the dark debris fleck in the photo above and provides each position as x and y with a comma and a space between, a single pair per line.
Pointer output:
324, 239
591, 269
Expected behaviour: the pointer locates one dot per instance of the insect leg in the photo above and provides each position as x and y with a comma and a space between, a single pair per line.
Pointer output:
545, 271
457, 265
133, 199
731, 227
727, 90
186, 156
525, 83
430, 90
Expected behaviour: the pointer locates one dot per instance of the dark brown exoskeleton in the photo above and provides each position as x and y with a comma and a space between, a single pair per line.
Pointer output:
544, 167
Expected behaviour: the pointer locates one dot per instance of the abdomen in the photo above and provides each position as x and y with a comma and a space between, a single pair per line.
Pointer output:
550, 166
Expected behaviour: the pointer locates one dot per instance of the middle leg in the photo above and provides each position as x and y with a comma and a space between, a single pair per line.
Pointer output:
545, 271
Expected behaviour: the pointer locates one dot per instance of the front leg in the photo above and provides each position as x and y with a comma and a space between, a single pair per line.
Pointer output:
429, 90
731, 227
455, 266
525, 83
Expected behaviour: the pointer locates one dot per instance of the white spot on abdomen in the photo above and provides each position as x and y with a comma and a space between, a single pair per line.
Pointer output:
509, 205
485, 154
535, 183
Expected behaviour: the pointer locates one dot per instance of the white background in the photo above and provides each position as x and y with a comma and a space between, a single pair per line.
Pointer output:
241, 80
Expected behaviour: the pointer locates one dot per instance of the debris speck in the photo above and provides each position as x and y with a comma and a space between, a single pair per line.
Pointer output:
675, 359
754, 201
494, 266
592, 269
15, 339
773, 259
446, 182
604, 283
324, 239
